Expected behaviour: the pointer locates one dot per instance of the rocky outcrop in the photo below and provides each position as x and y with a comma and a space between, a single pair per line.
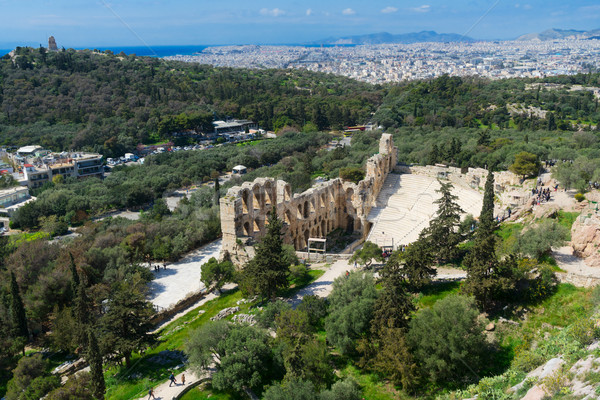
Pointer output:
585, 238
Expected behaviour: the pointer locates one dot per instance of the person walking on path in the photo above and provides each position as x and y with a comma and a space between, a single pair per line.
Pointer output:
172, 379
183, 379
151, 394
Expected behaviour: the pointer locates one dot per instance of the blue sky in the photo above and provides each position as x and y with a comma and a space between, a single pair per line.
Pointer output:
83, 23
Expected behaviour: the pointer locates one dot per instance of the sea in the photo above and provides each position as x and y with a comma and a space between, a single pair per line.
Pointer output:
165, 51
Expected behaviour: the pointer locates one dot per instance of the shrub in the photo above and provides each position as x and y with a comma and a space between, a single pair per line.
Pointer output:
352, 174
447, 340
347, 389
298, 272
580, 197
584, 331
266, 319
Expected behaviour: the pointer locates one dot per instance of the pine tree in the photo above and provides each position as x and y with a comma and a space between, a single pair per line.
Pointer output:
267, 272
94, 359
442, 232
126, 323
17, 312
417, 261
394, 304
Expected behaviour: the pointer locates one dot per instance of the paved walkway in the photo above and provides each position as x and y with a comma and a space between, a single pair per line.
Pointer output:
181, 278
323, 285
166, 392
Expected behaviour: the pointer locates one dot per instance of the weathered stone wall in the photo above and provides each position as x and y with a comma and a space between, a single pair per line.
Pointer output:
585, 238
311, 214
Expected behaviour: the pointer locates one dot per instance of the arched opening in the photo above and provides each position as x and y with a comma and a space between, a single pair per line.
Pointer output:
245, 200
256, 225
247, 231
306, 209
268, 195
324, 228
287, 217
306, 237
287, 193
300, 213
256, 200
311, 204
350, 224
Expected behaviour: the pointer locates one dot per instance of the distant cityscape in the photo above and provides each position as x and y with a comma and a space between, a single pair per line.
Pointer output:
400, 62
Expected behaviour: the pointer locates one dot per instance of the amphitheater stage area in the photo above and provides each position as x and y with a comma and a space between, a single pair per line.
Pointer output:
405, 205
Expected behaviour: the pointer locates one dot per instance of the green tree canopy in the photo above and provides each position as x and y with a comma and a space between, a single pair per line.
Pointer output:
526, 164
448, 341
242, 354
217, 273
352, 301
368, 253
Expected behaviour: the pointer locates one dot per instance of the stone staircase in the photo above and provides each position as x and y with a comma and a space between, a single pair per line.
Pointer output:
405, 206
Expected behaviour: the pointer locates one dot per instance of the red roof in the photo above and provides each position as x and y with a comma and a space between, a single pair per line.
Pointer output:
4, 171
28, 165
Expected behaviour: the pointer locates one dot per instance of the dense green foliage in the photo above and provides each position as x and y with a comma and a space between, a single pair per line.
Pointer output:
448, 340
109, 103
136, 186
242, 355
351, 306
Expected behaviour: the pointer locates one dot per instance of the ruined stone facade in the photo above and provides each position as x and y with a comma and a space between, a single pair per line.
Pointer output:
311, 214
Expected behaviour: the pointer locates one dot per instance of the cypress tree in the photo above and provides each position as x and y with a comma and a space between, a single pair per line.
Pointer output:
17, 311
267, 272
217, 191
488, 279
82, 310
74, 276
487, 224
94, 359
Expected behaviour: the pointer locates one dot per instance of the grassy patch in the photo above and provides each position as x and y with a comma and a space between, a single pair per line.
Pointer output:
508, 230
566, 219
437, 291
207, 392
373, 388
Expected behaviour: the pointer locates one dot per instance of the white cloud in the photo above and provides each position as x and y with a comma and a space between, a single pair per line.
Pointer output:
422, 9
276, 12
348, 11
389, 10
309, 12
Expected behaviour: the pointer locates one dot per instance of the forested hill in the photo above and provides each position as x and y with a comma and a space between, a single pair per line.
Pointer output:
109, 103
555, 103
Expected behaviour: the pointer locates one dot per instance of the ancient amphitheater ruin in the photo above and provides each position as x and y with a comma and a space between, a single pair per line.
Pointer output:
390, 207
310, 214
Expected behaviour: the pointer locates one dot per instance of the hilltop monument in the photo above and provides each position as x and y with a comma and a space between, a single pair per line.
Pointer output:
52, 44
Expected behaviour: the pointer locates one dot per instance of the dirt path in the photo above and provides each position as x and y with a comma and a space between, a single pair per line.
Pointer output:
572, 264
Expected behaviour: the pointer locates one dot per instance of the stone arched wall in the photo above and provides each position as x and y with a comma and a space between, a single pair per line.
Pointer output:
312, 213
